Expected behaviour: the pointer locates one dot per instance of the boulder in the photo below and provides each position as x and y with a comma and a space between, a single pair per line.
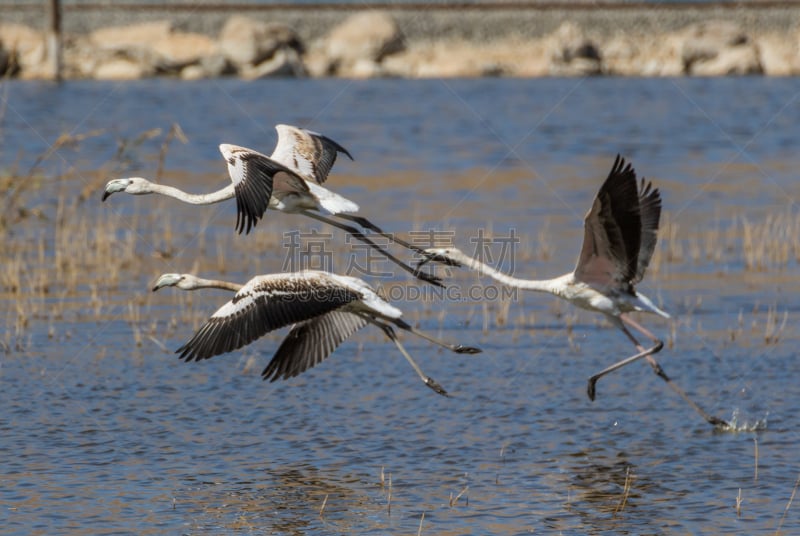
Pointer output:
738, 60
571, 53
716, 48
123, 38
26, 49
778, 55
284, 63
193, 72
447, 59
176, 50
244, 41
215, 65
317, 62
8, 62
642, 55
369, 35
121, 68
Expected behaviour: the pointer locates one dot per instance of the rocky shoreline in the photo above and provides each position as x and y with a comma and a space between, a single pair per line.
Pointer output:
574, 40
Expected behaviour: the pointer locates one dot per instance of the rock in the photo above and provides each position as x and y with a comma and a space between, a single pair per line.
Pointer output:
215, 65
152, 43
642, 55
450, 59
123, 38
738, 60
714, 43
193, 72
369, 35
244, 41
571, 53
317, 62
26, 48
81, 57
363, 68
176, 50
778, 55
284, 63
122, 69
8, 62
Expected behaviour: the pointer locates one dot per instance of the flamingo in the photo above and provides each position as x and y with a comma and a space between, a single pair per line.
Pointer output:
620, 233
323, 308
288, 181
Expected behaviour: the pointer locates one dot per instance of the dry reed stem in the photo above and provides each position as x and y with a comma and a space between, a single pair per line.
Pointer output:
755, 461
421, 519
625, 491
739, 503
389, 497
324, 502
454, 500
788, 505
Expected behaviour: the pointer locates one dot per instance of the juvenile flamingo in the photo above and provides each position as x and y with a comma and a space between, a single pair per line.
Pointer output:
324, 308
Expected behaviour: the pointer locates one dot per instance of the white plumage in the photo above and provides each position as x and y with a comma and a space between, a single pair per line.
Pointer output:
323, 308
620, 234
288, 181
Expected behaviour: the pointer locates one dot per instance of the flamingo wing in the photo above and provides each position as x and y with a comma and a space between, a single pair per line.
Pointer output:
310, 342
264, 304
650, 210
612, 231
254, 176
311, 154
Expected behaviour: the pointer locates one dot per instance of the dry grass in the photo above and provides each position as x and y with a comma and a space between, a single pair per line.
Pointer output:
66, 257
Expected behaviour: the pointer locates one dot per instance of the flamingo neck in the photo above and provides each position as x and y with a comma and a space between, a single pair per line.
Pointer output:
199, 283
194, 199
551, 286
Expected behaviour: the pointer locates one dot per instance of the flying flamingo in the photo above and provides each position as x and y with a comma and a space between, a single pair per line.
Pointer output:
324, 308
288, 181
620, 233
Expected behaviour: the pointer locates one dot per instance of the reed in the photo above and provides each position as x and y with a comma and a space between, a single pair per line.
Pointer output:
626, 490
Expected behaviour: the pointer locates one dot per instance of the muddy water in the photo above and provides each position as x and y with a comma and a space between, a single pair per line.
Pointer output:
101, 435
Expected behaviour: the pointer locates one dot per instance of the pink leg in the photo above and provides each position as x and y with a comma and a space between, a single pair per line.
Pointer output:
648, 354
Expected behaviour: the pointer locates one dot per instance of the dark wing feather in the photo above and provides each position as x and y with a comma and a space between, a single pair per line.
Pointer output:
310, 342
650, 209
612, 230
255, 188
307, 152
263, 305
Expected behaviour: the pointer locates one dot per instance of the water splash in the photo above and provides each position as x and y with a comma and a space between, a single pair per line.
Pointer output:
742, 424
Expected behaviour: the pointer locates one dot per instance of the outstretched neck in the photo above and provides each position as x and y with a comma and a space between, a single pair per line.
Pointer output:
550, 286
194, 199
199, 283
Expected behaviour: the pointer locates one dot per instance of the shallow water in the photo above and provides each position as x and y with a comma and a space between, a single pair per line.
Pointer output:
101, 436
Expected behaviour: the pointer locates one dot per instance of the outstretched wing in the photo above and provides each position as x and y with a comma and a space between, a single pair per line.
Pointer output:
310, 342
309, 153
264, 304
650, 212
612, 231
253, 175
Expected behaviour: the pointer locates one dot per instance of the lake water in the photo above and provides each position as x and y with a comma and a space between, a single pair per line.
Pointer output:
99, 435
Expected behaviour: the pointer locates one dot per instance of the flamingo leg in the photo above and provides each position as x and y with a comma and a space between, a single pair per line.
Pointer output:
427, 380
648, 354
360, 236
366, 224
457, 348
